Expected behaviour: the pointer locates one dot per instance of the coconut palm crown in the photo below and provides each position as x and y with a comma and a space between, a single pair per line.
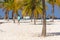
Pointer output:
32, 7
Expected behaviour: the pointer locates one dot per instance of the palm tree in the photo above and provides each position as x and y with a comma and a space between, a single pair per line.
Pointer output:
7, 7
44, 19
6, 14
2, 6
17, 4
32, 7
52, 2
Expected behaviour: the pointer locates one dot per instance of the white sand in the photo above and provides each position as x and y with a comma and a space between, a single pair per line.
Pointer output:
26, 30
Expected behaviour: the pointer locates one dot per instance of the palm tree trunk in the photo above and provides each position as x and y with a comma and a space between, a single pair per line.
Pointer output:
17, 14
34, 20
53, 13
34, 17
41, 18
31, 20
12, 14
44, 19
6, 14
13, 17
31, 17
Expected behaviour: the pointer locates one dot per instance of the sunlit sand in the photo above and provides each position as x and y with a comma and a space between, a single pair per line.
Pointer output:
26, 30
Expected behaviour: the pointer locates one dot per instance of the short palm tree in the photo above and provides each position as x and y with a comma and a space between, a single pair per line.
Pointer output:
32, 8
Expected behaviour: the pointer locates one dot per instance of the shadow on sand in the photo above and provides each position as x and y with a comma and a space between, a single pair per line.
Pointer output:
47, 35
3, 22
47, 23
24, 22
2, 30
53, 34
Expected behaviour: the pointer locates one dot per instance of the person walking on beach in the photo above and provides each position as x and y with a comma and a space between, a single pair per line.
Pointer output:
18, 18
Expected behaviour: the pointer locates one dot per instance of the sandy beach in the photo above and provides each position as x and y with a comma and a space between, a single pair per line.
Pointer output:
26, 30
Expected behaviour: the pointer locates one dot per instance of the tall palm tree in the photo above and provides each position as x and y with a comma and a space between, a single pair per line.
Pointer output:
32, 7
44, 19
52, 2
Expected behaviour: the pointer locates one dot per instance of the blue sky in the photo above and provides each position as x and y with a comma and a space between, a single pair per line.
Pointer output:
2, 13
48, 12
56, 10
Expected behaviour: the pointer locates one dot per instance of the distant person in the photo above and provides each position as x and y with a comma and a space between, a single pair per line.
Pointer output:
18, 18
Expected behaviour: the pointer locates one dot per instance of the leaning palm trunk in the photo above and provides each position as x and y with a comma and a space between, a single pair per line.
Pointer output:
44, 19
